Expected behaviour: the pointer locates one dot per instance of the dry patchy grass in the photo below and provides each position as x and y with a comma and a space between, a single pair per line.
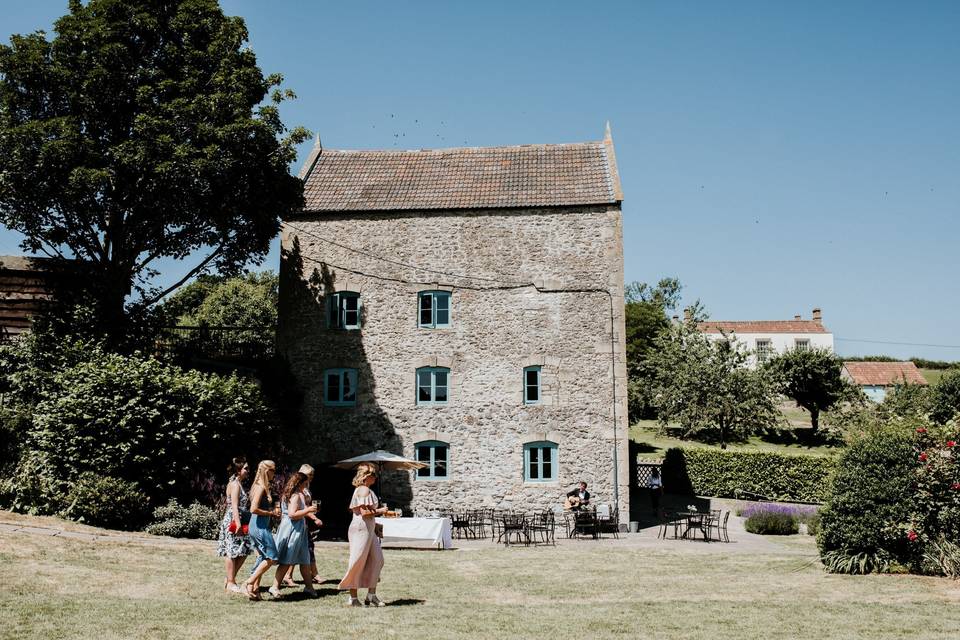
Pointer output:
67, 588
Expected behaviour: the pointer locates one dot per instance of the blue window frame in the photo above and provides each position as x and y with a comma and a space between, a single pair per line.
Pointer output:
340, 387
436, 455
432, 385
531, 385
434, 309
540, 461
343, 310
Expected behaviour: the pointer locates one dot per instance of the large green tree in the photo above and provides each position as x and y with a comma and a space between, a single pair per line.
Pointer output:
811, 378
705, 386
143, 130
645, 317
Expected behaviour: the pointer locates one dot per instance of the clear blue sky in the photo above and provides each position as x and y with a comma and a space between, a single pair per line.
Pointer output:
774, 156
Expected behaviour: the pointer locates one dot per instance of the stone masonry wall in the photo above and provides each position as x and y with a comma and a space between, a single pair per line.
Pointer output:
500, 323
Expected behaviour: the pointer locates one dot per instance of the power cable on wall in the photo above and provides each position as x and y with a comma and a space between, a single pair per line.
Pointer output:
498, 287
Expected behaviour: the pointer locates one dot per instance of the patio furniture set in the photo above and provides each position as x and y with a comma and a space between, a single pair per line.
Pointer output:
513, 527
692, 525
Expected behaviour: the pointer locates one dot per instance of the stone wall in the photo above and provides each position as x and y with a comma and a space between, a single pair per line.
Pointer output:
536, 295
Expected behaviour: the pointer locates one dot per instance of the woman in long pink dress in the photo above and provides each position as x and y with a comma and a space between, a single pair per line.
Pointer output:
366, 557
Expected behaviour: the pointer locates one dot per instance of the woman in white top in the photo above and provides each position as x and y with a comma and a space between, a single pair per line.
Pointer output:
366, 557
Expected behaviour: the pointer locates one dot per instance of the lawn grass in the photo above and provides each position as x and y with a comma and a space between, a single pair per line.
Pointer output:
653, 443
67, 588
932, 376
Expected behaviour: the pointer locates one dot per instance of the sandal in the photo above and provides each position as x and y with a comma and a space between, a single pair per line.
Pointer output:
251, 593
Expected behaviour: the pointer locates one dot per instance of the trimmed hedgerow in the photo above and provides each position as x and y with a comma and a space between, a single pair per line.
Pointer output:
742, 474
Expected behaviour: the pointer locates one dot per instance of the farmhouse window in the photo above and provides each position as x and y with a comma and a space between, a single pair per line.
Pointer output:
531, 385
432, 385
434, 309
343, 310
435, 455
340, 387
540, 461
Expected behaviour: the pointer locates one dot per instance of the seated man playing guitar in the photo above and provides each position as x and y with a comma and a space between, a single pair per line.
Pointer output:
577, 498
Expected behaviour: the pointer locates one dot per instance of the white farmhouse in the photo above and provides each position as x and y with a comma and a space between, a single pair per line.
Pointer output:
767, 338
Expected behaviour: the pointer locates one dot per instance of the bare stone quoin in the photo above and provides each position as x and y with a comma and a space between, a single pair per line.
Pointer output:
528, 243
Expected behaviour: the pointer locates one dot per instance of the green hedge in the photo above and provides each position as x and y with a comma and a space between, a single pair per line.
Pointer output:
737, 474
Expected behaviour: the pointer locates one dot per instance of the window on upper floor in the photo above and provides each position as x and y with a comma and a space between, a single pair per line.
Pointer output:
435, 455
531, 385
801, 344
340, 387
764, 349
434, 309
432, 385
540, 461
343, 310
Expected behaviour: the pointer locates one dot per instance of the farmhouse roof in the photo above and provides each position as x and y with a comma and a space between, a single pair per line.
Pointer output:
537, 175
762, 326
884, 374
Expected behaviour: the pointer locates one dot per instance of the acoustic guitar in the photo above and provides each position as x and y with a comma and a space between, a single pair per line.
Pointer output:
572, 502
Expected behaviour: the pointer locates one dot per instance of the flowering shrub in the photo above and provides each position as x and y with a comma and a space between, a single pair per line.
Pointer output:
896, 502
767, 518
935, 520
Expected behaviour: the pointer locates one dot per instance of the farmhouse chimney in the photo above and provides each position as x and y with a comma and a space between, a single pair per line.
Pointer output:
796, 317
817, 315
687, 314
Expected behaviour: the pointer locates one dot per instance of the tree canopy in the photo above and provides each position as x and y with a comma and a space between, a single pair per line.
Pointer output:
811, 378
705, 386
142, 131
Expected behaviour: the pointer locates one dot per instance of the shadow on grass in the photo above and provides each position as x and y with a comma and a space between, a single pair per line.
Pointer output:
402, 602
297, 596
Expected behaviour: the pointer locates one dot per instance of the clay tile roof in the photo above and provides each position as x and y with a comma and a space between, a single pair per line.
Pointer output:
462, 178
762, 326
884, 374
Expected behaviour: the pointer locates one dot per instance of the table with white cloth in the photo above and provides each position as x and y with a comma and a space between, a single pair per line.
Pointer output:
438, 531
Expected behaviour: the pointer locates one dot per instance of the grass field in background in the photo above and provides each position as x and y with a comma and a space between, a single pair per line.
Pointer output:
653, 444
933, 376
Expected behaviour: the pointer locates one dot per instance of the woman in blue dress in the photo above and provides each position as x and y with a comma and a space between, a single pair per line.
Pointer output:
293, 538
262, 509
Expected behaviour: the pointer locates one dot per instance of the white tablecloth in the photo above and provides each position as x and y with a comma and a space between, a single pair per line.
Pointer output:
437, 530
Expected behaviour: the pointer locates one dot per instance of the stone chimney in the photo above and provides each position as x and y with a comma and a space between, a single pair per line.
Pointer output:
676, 319
817, 315
797, 317
687, 314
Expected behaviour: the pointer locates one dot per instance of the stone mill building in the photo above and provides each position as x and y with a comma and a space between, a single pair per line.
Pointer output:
463, 307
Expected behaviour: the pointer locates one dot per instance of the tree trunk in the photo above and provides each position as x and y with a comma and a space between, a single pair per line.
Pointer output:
814, 419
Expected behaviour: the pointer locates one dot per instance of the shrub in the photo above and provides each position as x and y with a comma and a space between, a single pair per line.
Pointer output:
772, 523
871, 498
176, 521
138, 418
106, 502
863, 562
34, 486
945, 402
736, 474
813, 524
906, 401
943, 556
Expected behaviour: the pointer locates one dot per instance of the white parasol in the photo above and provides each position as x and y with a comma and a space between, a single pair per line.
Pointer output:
383, 460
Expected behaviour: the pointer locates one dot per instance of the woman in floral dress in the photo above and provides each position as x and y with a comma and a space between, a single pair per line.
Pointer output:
234, 547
